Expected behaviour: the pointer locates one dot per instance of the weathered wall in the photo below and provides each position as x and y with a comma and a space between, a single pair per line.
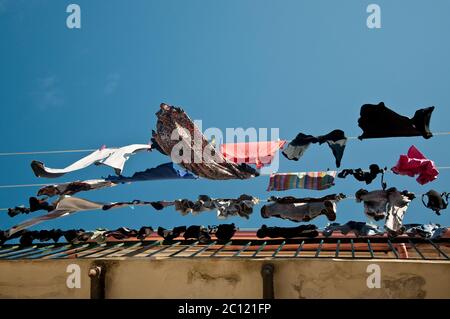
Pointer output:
228, 278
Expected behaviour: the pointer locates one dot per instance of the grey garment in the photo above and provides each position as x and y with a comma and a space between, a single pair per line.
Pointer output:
397, 205
295, 152
358, 228
241, 206
429, 231
390, 204
375, 203
300, 212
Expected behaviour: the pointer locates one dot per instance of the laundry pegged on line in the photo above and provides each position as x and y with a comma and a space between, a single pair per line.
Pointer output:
166, 171
192, 150
302, 180
302, 209
308, 231
223, 232
364, 176
258, 153
360, 229
436, 201
241, 206
415, 163
379, 121
389, 204
112, 157
336, 140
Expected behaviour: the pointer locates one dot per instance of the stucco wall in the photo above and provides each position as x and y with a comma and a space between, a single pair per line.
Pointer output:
228, 278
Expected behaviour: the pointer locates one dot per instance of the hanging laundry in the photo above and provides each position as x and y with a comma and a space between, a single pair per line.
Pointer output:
397, 205
159, 205
72, 188
163, 171
415, 163
112, 157
259, 153
199, 156
68, 205
199, 233
358, 228
224, 232
170, 234
144, 232
363, 176
390, 204
378, 121
305, 180
287, 232
336, 140
428, 231
121, 233
302, 209
436, 201
241, 206
35, 205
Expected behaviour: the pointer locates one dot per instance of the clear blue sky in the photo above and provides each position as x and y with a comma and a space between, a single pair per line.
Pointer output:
301, 66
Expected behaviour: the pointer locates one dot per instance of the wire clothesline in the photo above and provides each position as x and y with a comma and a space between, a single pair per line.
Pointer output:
94, 149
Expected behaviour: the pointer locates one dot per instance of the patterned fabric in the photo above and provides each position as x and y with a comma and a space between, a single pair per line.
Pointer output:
199, 156
306, 180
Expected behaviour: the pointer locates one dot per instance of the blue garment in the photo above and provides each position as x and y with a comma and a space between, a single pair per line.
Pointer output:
430, 231
163, 171
358, 228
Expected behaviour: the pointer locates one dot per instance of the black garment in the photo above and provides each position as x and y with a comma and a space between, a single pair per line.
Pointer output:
121, 233
336, 140
168, 234
18, 210
362, 176
71, 235
197, 232
144, 232
225, 232
35, 205
436, 201
155, 205
287, 232
379, 121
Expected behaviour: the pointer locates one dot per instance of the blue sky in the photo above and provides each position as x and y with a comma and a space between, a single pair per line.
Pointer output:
300, 66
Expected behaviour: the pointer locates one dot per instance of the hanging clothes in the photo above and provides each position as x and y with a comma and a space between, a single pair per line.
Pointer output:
259, 153
304, 180
161, 172
68, 205
415, 163
170, 234
198, 155
112, 157
378, 121
287, 232
224, 232
336, 140
159, 205
241, 206
428, 231
121, 233
396, 209
199, 233
390, 204
436, 201
72, 188
363, 176
302, 209
358, 228
35, 205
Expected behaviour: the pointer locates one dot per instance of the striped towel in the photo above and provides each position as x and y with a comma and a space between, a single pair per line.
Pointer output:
307, 180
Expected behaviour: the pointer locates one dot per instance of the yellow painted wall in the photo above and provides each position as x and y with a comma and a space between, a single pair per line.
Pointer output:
227, 278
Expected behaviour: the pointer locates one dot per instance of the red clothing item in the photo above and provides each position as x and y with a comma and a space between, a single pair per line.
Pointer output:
259, 153
415, 163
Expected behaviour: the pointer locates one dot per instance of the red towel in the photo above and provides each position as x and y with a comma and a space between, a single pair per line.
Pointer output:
415, 163
259, 153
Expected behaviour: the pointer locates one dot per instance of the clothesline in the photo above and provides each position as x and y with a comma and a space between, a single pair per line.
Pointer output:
40, 185
92, 150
